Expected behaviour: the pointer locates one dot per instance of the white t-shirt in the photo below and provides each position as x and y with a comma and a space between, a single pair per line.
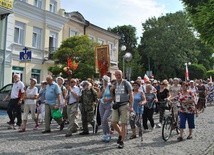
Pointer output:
31, 93
18, 87
76, 90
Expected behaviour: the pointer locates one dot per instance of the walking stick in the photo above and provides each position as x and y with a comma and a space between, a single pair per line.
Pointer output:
95, 118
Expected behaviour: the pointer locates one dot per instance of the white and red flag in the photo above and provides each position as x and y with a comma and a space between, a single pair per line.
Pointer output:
187, 73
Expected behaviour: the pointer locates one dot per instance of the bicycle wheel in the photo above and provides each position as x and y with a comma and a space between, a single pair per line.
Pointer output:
178, 126
167, 128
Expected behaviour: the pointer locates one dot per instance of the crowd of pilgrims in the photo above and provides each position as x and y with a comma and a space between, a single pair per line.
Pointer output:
91, 101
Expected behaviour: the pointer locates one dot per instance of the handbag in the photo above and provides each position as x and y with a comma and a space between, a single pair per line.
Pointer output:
56, 114
116, 106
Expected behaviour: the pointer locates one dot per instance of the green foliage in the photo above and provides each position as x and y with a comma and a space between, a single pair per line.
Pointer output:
167, 43
204, 55
201, 14
137, 66
128, 38
79, 48
197, 71
210, 73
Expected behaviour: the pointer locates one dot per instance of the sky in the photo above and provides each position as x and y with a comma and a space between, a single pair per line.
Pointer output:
111, 13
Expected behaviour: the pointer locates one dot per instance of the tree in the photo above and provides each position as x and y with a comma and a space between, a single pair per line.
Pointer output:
210, 73
197, 71
79, 49
205, 55
201, 14
129, 39
167, 43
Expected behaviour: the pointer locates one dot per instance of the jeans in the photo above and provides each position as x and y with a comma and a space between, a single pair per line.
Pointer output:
14, 110
189, 117
105, 112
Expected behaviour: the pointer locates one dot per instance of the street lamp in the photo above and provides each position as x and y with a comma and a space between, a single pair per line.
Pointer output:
127, 57
187, 71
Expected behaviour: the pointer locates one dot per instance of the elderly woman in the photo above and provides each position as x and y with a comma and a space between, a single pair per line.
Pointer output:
162, 96
31, 95
105, 107
87, 106
136, 116
187, 110
210, 96
202, 92
151, 98
41, 102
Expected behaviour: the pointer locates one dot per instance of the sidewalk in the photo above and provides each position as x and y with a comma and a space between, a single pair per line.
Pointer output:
34, 142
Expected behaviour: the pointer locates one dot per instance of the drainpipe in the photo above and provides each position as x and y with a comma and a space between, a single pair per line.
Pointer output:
5, 44
87, 23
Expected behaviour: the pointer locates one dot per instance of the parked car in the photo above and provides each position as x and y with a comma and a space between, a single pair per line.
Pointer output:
4, 91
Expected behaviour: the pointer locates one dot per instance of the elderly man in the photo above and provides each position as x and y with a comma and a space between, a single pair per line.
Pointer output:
16, 98
52, 96
124, 100
72, 107
87, 107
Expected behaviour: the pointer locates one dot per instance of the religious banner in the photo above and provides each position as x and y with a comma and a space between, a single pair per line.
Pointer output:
102, 59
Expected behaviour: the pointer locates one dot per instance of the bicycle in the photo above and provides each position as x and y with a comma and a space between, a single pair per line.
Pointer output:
170, 123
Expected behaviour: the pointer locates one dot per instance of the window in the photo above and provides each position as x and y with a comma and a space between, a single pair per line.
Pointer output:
73, 33
53, 6
36, 39
111, 46
38, 3
101, 42
19, 33
53, 40
91, 37
35, 73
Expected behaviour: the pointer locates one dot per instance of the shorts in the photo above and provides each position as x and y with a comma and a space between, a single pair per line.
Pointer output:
121, 114
190, 119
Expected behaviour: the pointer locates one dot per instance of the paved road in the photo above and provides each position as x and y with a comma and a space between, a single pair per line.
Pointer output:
33, 142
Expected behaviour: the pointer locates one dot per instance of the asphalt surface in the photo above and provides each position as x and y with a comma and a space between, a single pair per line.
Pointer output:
33, 142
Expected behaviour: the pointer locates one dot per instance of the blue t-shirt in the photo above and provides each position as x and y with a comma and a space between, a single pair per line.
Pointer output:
150, 97
106, 95
138, 109
51, 94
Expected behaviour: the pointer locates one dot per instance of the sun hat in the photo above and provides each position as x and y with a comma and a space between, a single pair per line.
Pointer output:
33, 79
106, 78
61, 78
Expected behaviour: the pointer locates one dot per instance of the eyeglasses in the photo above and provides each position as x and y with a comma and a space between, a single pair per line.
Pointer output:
72, 81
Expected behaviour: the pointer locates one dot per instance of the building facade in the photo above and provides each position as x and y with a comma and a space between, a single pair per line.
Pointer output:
78, 25
6, 7
36, 25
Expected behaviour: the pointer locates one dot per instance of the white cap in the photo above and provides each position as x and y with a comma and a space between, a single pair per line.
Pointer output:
33, 79
61, 78
106, 78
